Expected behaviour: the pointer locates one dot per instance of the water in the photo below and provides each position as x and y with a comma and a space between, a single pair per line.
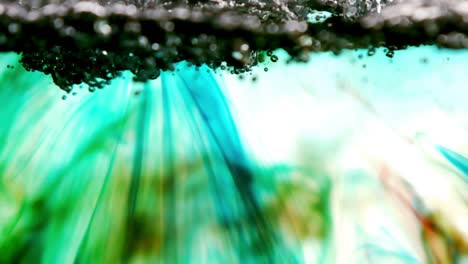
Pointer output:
347, 158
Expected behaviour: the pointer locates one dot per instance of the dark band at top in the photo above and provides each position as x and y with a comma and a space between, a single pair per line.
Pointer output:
92, 41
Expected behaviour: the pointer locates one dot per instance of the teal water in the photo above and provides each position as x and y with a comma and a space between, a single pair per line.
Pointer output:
339, 160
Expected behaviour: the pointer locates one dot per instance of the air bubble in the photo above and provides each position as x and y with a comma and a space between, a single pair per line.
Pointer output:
390, 54
244, 47
237, 55
155, 46
102, 27
13, 28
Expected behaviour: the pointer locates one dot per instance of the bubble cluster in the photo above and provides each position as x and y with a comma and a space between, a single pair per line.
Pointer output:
93, 41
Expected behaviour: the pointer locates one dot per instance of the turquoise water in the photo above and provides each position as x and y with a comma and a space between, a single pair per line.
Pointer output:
339, 160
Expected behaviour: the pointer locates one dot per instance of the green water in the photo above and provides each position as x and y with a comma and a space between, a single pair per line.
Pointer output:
344, 159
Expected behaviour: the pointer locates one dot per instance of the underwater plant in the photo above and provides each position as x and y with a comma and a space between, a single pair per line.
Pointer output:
305, 131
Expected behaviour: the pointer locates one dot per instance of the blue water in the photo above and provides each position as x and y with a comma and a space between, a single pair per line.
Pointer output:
329, 161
